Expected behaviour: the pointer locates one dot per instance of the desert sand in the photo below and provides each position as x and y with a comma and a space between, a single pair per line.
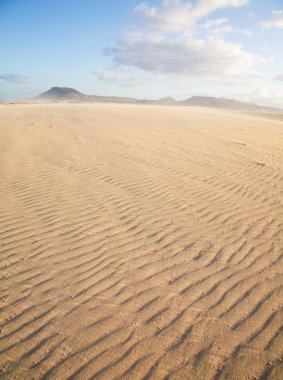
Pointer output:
140, 242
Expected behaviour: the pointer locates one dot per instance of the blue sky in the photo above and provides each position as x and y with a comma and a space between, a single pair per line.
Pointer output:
145, 49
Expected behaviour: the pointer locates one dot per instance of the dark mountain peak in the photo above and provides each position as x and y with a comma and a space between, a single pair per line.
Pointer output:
62, 94
63, 90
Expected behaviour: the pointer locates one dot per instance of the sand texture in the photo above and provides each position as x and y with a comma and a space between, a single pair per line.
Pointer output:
140, 242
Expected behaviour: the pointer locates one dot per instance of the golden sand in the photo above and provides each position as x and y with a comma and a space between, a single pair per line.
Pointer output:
140, 242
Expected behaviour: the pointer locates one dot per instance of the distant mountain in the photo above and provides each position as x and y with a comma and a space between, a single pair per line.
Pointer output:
167, 101
62, 94
66, 94
209, 101
204, 101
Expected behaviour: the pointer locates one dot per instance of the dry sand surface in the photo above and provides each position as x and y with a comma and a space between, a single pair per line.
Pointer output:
140, 242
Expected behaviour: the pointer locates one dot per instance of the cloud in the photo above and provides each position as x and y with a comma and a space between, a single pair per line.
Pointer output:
217, 22
111, 75
177, 15
205, 7
171, 16
169, 42
122, 75
276, 20
183, 56
13, 78
221, 26
278, 77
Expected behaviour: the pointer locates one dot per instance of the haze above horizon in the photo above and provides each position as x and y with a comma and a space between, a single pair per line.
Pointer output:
144, 49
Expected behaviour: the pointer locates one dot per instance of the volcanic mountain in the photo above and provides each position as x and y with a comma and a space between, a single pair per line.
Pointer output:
63, 94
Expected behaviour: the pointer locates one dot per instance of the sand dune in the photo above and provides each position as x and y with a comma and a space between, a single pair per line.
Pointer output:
140, 242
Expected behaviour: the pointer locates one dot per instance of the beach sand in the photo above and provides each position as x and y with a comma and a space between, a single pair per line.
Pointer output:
140, 242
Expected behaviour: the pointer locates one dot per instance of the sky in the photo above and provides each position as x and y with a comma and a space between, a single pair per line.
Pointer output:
144, 49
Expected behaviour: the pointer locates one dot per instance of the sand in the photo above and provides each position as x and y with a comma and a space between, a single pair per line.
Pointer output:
140, 242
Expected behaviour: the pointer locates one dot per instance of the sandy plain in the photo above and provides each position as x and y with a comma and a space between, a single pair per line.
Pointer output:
140, 242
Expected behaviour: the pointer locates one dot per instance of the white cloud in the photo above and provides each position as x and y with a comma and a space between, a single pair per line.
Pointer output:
171, 16
215, 22
276, 20
122, 75
168, 42
177, 15
111, 75
205, 7
193, 56
221, 26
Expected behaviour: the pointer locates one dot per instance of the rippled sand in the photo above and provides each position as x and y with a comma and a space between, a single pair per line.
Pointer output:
140, 242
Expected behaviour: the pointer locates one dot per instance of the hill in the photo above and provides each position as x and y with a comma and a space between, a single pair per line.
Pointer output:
62, 94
